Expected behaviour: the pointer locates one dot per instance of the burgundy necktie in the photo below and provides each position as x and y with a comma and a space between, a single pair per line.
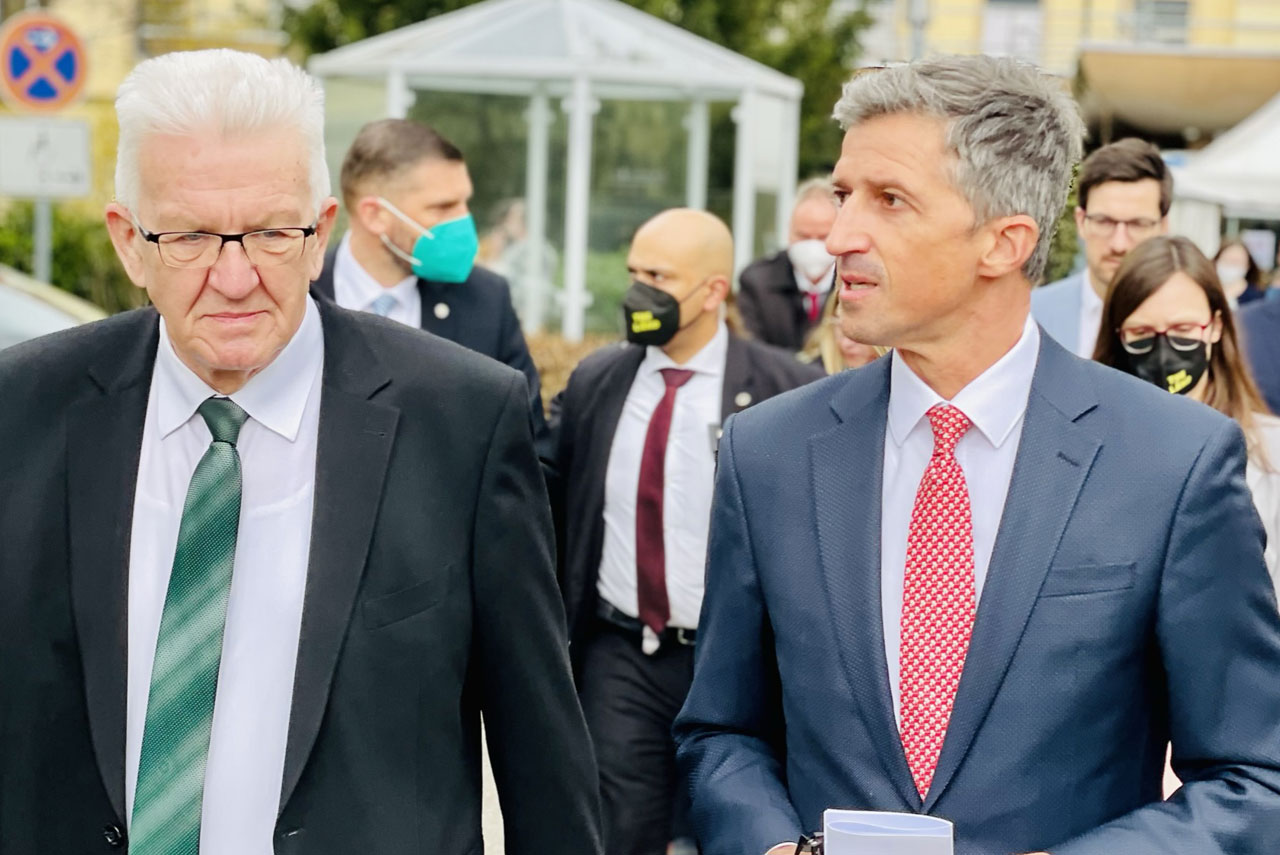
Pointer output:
651, 558
813, 305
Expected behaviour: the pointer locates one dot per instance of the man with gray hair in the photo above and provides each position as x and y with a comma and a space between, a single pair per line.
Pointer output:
781, 296
265, 560
958, 581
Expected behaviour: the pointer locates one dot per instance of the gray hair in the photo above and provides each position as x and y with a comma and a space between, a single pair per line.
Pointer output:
819, 187
1016, 132
224, 91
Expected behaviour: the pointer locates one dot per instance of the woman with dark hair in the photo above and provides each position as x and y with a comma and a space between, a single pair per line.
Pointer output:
1239, 274
1167, 320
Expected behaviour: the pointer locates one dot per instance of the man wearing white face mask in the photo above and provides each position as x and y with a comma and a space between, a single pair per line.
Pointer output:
781, 296
409, 253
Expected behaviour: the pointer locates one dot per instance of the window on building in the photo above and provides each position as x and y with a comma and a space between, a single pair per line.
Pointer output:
1161, 21
1013, 28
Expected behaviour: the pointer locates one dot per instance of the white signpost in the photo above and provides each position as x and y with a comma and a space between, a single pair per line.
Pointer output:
44, 159
42, 70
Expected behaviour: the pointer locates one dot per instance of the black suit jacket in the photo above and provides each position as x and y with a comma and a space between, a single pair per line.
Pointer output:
771, 304
584, 418
1260, 329
479, 316
430, 596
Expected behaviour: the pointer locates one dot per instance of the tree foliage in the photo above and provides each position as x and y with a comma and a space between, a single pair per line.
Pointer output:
811, 40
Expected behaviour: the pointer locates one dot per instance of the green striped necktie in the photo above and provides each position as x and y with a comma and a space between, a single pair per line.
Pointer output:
184, 677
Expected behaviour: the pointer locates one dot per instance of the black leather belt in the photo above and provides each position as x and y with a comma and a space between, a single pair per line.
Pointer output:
632, 627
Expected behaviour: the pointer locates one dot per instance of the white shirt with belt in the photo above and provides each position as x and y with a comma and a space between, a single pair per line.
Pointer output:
1090, 317
354, 288
688, 481
277, 448
996, 403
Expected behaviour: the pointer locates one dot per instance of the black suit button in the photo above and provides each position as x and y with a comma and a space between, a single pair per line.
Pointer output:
114, 835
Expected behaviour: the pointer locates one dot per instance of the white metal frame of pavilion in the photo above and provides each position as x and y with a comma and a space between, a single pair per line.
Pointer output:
582, 52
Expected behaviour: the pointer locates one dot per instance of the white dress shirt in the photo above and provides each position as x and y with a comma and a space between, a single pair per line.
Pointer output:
277, 448
995, 403
688, 481
1263, 477
820, 287
1090, 317
354, 288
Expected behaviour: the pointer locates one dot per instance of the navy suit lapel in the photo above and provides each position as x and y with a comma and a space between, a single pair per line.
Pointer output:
104, 444
439, 299
847, 464
1054, 457
356, 436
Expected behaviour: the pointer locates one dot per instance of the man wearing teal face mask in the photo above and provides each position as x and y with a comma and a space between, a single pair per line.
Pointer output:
409, 252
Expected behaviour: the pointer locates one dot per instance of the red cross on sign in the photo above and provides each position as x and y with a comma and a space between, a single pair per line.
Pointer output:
42, 62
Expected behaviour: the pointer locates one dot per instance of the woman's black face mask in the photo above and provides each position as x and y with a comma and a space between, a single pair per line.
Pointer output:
1176, 371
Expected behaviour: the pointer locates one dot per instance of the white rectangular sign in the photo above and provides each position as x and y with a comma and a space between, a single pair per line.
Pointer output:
44, 158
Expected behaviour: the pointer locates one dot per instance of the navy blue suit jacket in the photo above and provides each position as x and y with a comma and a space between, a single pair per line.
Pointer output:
1260, 331
1126, 604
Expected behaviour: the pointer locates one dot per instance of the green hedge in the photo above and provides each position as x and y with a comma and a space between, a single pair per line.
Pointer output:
84, 262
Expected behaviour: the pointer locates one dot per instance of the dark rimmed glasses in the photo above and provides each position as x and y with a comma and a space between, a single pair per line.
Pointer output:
1106, 226
1184, 337
263, 247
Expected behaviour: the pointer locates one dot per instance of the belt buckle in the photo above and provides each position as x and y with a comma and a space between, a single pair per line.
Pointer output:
683, 636
649, 641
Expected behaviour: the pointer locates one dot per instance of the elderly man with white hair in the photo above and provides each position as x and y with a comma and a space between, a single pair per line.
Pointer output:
266, 561
967, 581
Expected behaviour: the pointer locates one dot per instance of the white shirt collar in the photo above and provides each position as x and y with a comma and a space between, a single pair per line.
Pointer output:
709, 360
822, 286
275, 397
994, 401
1089, 300
363, 288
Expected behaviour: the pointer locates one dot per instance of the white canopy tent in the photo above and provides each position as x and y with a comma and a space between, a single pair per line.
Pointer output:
1235, 176
583, 51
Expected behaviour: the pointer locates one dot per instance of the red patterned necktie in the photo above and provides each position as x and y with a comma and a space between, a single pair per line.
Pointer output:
938, 602
651, 556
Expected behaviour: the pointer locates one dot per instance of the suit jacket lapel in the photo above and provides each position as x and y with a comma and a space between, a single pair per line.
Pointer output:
323, 284
100, 498
1054, 457
434, 296
356, 435
600, 412
847, 465
739, 380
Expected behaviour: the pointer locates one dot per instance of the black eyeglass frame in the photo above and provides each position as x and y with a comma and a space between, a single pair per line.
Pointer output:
154, 237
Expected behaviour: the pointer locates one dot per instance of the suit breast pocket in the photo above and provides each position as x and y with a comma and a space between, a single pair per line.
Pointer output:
1071, 579
386, 609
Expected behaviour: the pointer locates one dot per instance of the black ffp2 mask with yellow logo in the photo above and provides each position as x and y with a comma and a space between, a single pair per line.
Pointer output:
650, 315
1176, 371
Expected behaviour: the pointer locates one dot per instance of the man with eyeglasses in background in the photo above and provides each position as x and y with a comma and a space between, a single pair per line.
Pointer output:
266, 561
1125, 190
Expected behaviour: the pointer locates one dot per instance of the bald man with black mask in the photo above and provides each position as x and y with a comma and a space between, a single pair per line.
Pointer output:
631, 476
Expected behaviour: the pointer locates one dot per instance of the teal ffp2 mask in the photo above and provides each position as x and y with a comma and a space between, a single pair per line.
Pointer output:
446, 252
